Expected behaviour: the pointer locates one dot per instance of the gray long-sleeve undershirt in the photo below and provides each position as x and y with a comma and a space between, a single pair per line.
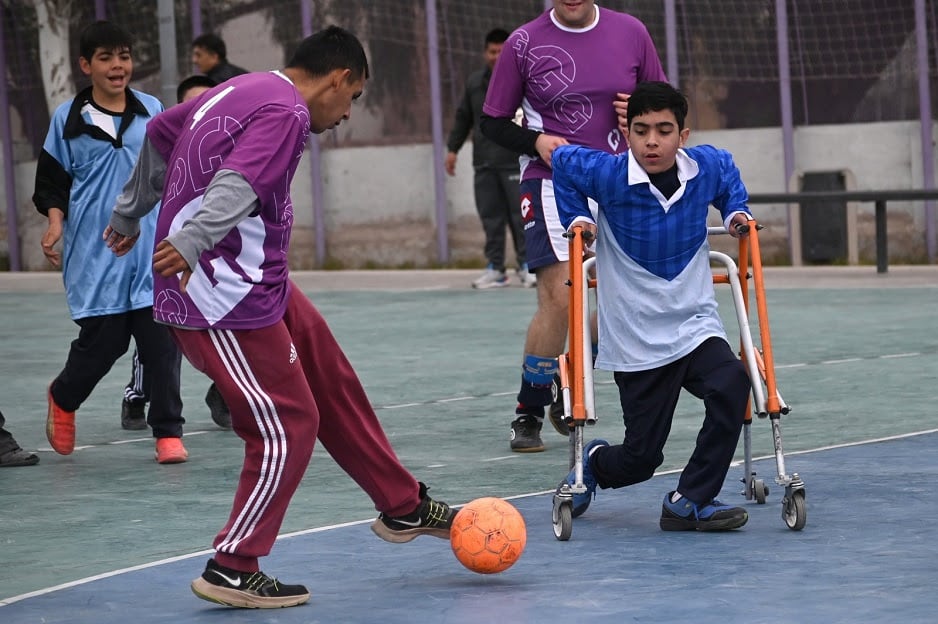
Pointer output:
228, 199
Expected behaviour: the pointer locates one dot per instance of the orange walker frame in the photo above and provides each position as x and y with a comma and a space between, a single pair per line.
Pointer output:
576, 377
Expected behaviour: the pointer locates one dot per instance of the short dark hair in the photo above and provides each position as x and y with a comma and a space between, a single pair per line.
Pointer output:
329, 49
657, 96
213, 43
496, 35
197, 80
103, 34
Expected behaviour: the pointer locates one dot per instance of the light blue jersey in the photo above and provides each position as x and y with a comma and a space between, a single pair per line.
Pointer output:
654, 283
87, 157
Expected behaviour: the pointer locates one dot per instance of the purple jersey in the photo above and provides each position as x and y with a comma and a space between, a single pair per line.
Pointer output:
566, 80
256, 125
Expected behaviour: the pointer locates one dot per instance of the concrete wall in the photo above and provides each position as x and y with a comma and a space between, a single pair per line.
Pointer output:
380, 200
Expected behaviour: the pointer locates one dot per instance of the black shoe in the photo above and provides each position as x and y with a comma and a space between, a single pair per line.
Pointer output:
133, 417
526, 434
555, 410
249, 590
216, 406
17, 457
685, 515
430, 518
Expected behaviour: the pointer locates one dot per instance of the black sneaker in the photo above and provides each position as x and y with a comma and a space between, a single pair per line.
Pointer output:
133, 417
17, 457
217, 407
248, 590
430, 518
526, 434
555, 410
685, 515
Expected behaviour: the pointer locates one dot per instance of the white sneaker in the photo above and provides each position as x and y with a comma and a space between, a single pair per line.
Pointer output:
528, 279
491, 279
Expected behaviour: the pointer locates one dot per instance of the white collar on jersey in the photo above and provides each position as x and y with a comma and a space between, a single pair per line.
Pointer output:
553, 18
687, 168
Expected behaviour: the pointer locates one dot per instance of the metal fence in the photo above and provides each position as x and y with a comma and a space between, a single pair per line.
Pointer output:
743, 63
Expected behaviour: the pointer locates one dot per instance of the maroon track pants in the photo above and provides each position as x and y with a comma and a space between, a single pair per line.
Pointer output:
285, 386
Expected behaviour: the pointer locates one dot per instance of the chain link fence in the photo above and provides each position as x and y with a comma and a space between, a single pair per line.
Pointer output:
849, 61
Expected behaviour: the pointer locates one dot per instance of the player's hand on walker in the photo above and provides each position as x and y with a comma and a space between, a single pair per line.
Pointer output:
117, 242
739, 226
167, 262
546, 144
589, 231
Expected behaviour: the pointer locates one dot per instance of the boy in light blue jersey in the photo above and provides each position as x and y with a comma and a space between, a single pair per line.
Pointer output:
659, 330
89, 152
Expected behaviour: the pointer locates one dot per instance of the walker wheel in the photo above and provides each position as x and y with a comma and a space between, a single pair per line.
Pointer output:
760, 490
562, 517
794, 510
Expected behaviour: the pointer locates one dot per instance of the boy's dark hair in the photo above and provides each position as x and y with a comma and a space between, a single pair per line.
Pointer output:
330, 49
103, 34
657, 96
197, 80
213, 43
496, 35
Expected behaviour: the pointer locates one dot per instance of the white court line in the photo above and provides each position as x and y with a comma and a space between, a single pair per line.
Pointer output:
85, 447
202, 553
843, 361
499, 394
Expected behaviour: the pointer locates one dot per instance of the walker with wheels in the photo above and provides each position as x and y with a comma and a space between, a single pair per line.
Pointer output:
576, 375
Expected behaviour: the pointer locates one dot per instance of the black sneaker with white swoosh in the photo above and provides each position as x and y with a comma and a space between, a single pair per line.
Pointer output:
248, 590
430, 518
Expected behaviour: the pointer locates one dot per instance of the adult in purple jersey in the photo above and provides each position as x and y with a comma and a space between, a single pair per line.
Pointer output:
570, 70
224, 163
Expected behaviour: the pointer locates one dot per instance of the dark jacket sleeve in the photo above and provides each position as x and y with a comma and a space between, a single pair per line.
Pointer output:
462, 124
53, 185
508, 134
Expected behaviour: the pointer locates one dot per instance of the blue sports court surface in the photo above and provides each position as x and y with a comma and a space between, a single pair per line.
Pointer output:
107, 535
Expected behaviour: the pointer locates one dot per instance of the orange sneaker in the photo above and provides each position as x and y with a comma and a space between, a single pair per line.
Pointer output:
60, 427
170, 451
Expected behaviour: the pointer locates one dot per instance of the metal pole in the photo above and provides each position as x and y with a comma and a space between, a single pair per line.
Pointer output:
670, 42
925, 120
315, 161
195, 15
436, 120
882, 242
169, 70
9, 183
784, 84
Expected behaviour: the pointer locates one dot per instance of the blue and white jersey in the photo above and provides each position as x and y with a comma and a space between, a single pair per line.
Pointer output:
654, 283
87, 157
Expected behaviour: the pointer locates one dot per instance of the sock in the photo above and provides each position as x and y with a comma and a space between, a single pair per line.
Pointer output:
530, 410
676, 496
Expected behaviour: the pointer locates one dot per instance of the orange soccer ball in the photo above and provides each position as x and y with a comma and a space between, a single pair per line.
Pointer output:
488, 535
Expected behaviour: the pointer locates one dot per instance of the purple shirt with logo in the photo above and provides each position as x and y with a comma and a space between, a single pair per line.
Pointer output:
566, 80
255, 125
